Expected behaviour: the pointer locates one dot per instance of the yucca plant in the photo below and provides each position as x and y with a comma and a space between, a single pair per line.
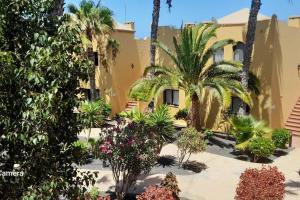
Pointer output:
91, 113
193, 72
162, 122
134, 115
246, 128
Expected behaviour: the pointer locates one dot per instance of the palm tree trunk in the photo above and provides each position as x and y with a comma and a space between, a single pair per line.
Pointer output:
194, 115
58, 8
250, 37
154, 28
92, 74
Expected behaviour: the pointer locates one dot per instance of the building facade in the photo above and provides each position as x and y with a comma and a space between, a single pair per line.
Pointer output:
276, 62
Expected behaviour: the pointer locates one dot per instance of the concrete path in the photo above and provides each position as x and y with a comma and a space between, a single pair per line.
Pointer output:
219, 181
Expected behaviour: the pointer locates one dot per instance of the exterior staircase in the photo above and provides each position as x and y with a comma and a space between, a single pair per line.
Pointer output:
293, 124
131, 105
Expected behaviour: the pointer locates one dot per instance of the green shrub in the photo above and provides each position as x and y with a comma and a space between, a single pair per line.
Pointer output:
182, 114
134, 115
245, 128
281, 137
105, 108
209, 133
261, 148
190, 141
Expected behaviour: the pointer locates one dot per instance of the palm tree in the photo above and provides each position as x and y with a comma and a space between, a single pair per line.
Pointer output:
58, 8
250, 37
246, 128
154, 28
97, 23
193, 73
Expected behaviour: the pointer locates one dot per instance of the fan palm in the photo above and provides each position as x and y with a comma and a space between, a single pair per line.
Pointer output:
96, 23
193, 72
246, 128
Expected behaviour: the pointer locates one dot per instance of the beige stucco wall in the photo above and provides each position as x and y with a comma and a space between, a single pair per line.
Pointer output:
275, 61
114, 82
128, 67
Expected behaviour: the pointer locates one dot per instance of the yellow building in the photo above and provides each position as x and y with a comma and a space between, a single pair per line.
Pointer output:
276, 62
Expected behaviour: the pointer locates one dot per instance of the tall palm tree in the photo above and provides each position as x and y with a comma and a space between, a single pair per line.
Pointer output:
154, 28
250, 37
58, 8
96, 23
193, 73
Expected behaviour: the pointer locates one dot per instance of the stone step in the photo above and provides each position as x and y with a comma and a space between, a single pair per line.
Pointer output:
293, 129
294, 117
294, 125
295, 114
297, 106
293, 120
296, 110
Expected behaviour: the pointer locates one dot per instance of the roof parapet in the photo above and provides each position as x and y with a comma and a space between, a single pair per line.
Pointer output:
294, 21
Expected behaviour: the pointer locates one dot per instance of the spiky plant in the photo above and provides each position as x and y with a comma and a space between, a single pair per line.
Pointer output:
246, 128
193, 72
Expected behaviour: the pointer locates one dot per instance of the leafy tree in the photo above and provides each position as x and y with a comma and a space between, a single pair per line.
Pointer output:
250, 37
97, 24
41, 64
193, 73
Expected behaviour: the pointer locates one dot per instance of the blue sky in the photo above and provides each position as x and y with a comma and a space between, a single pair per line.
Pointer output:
190, 11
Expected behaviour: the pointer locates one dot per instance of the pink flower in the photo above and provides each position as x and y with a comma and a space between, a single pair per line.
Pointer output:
103, 149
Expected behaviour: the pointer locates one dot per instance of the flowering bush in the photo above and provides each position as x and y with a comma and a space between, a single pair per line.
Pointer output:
131, 151
157, 193
261, 184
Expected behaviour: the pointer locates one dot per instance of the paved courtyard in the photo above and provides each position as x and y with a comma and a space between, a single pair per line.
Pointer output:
219, 181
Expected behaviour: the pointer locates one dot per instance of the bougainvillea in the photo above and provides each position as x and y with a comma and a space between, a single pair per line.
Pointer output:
130, 150
156, 193
261, 184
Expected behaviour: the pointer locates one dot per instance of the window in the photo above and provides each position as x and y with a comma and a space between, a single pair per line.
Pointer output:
96, 61
235, 106
171, 97
238, 52
87, 93
219, 56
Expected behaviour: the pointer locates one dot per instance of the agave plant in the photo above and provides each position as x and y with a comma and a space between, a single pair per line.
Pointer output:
193, 73
246, 128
